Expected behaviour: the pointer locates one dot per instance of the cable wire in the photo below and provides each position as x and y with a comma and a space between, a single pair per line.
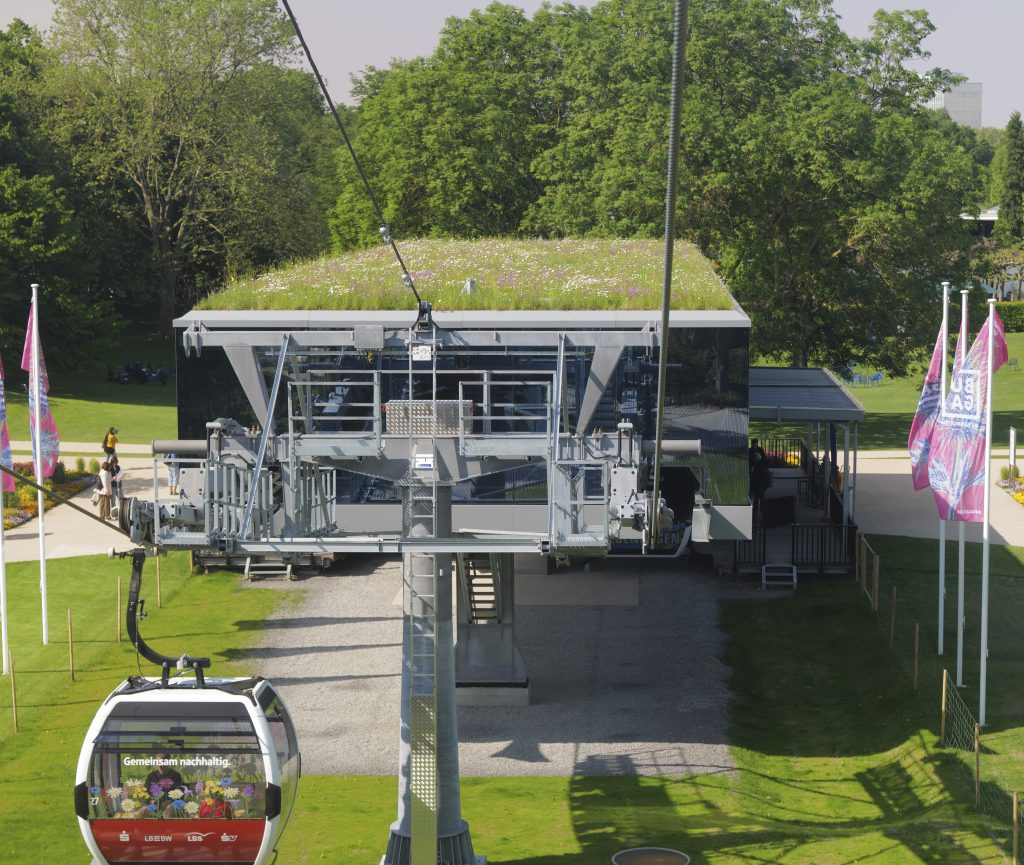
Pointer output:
385, 232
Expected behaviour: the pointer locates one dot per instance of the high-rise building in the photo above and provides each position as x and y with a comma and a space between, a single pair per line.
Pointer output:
962, 103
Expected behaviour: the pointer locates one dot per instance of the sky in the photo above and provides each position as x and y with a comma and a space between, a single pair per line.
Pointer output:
976, 38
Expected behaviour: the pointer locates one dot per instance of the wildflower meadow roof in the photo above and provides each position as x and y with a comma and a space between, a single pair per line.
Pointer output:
509, 275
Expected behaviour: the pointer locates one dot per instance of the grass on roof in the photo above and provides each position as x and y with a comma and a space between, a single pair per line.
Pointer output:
509, 274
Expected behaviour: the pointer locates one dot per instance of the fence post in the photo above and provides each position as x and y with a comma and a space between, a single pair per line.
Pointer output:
71, 647
856, 557
874, 584
159, 599
892, 620
977, 765
1016, 827
863, 560
917, 652
945, 697
118, 608
14, 689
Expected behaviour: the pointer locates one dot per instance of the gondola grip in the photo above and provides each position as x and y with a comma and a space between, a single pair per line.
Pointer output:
82, 800
273, 803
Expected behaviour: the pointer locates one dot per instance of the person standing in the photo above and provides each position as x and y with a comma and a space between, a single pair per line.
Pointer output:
172, 473
116, 476
110, 442
105, 491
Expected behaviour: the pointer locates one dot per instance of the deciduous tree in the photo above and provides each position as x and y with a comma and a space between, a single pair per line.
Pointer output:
158, 102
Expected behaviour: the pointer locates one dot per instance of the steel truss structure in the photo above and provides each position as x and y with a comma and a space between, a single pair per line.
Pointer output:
457, 440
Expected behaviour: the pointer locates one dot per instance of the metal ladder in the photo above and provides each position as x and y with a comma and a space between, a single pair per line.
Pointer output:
421, 583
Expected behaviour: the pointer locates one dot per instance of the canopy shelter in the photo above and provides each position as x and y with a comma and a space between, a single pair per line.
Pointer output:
817, 398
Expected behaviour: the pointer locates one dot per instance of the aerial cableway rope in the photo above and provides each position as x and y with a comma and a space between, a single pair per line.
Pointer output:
385, 232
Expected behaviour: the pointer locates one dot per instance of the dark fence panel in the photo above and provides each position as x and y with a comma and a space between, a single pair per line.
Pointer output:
824, 545
752, 552
783, 453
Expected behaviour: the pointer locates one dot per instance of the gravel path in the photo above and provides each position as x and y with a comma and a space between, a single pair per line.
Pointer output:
619, 688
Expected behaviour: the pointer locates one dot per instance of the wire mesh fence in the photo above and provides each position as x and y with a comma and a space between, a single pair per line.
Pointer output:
896, 613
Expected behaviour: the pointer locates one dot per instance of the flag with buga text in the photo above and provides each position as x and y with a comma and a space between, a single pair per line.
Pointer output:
7, 485
956, 469
919, 441
49, 438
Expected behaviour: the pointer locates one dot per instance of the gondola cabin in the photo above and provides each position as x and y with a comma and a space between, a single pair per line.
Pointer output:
187, 773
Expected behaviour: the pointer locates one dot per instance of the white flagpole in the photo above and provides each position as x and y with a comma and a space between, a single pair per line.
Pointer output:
4, 645
986, 515
960, 618
38, 442
942, 522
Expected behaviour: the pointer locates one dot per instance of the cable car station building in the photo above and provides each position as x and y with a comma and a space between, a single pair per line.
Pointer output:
473, 442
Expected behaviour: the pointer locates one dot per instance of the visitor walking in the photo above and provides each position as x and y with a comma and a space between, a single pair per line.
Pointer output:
110, 442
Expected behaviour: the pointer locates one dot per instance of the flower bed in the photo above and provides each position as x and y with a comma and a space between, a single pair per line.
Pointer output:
1014, 485
23, 504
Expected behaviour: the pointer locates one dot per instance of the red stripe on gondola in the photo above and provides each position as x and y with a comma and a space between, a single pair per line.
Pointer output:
179, 840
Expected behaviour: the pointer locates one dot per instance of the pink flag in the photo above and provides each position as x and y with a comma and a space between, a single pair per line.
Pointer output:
956, 470
5, 438
49, 438
919, 441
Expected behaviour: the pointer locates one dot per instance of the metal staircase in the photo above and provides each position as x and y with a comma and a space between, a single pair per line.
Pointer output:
481, 586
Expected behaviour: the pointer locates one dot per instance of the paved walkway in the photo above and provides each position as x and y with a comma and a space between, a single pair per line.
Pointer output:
888, 505
83, 448
622, 683
69, 533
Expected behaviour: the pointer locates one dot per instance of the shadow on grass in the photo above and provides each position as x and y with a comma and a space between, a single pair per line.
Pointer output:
799, 675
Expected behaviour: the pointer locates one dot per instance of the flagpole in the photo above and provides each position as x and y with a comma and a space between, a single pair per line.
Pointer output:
960, 618
942, 522
38, 447
985, 514
4, 645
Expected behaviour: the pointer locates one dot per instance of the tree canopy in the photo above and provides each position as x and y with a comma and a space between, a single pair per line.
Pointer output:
810, 170
182, 111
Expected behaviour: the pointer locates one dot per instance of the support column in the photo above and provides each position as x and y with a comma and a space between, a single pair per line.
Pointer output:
427, 607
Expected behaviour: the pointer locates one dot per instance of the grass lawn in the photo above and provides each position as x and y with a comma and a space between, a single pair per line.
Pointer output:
835, 759
890, 407
198, 616
84, 403
911, 564
835, 765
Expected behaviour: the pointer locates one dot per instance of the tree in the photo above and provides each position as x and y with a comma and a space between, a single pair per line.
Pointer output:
811, 173
1010, 227
146, 95
448, 141
40, 232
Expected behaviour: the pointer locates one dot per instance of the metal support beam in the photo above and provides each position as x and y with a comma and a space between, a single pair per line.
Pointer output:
268, 426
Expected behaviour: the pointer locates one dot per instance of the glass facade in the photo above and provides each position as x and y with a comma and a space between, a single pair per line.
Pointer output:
174, 761
507, 390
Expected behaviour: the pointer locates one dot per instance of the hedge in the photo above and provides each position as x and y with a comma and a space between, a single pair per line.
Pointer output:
1012, 315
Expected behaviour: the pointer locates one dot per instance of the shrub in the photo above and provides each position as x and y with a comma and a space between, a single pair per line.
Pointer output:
26, 497
80, 465
60, 474
94, 466
1012, 315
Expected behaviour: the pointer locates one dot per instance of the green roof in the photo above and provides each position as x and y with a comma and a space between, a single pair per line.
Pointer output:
509, 274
